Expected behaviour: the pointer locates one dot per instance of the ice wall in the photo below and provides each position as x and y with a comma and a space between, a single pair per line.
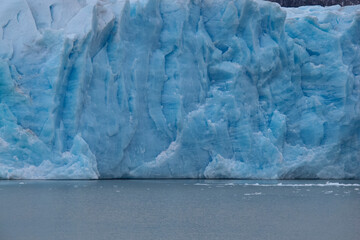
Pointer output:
171, 89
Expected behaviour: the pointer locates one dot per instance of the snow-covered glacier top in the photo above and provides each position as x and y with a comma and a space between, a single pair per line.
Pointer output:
172, 89
298, 3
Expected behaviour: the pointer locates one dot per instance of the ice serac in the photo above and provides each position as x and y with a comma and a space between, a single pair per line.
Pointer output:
172, 89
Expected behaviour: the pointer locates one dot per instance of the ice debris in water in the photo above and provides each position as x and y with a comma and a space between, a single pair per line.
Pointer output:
195, 89
253, 194
327, 184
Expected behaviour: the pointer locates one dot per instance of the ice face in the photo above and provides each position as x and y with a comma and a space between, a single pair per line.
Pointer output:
199, 89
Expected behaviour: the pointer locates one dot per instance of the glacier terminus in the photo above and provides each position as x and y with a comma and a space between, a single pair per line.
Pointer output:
178, 89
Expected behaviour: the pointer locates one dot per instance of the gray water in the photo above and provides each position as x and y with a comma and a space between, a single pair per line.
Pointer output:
179, 209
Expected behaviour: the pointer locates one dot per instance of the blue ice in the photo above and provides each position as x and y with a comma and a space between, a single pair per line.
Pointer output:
173, 89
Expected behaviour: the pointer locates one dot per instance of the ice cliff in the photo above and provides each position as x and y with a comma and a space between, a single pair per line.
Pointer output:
178, 88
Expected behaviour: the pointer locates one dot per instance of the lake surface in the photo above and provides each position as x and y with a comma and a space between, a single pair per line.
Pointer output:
179, 209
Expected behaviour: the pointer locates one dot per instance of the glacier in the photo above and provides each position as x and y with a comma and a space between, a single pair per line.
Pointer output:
178, 89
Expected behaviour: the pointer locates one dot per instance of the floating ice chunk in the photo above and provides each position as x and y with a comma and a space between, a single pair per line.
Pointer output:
253, 194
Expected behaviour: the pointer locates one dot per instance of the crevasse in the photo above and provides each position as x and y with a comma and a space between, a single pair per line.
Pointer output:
175, 89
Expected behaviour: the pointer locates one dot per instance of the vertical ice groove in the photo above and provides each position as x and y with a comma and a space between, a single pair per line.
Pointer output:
51, 8
4, 27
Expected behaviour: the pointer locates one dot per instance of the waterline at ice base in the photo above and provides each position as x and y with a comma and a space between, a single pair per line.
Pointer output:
178, 89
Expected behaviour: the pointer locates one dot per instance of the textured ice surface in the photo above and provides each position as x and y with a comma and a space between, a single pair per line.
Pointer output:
233, 89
